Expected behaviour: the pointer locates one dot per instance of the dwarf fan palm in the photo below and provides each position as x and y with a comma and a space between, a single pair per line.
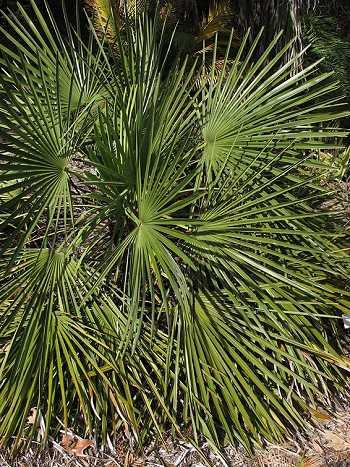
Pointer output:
163, 261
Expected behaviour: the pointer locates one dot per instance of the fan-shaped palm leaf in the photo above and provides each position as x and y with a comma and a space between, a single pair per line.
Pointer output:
170, 266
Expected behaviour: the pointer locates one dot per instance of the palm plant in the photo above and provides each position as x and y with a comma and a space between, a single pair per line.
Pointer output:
163, 260
330, 42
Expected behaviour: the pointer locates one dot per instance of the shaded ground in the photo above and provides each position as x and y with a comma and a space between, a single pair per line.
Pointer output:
327, 444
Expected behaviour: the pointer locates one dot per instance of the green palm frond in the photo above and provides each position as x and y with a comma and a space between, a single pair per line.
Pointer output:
266, 97
164, 262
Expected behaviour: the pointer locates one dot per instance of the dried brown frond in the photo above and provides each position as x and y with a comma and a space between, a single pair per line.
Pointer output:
218, 19
105, 16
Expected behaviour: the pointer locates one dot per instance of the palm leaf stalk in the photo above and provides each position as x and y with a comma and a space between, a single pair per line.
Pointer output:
163, 261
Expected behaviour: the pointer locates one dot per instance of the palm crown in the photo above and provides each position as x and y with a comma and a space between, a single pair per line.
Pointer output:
163, 260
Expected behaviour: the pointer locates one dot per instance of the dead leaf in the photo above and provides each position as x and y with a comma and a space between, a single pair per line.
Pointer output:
74, 445
131, 460
80, 447
32, 416
68, 442
139, 462
6, 347
341, 362
320, 414
312, 461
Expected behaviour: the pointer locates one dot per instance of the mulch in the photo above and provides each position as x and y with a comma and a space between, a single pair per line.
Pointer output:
327, 444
